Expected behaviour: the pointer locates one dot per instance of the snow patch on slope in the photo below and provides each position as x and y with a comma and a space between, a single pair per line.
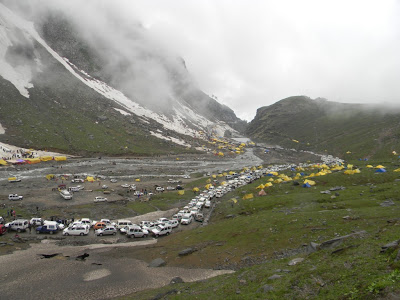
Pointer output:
122, 112
2, 131
170, 138
20, 76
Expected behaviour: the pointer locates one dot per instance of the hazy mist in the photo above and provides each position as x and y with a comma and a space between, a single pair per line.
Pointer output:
248, 54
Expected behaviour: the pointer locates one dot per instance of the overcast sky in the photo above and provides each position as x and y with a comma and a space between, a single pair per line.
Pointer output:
254, 53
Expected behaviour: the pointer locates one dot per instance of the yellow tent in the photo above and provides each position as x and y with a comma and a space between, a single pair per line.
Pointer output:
270, 180
208, 180
207, 186
33, 160
196, 189
181, 192
296, 141
90, 179
12, 178
310, 182
397, 170
46, 158
3, 162
349, 166
220, 154
49, 176
380, 167
278, 180
261, 186
348, 152
233, 200
349, 172
220, 175
224, 173
370, 166
248, 196
60, 158
137, 179
214, 176
268, 184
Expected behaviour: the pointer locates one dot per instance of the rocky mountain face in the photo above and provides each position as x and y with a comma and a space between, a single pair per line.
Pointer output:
342, 129
76, 89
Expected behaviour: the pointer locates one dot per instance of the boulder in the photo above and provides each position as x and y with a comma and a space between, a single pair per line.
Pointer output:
295, 261
158, 262
176, 280
312, 247
266, 288
187, 251
337, 241
275, 276
392, 245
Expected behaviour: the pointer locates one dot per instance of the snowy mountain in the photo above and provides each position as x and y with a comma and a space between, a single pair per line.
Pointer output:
76, 86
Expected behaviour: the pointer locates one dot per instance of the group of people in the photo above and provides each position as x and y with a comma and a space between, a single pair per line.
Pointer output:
8, 154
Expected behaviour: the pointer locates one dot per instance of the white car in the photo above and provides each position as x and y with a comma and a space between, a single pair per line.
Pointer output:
159, 189
18, 225
186, 219
136, 231
36, 221
86, 221
207, 204
15, 197
109, 230
100, 199
78, 229
113, 180
123, 223
170, 188
174, 223
161, 230
76, 180
125, 185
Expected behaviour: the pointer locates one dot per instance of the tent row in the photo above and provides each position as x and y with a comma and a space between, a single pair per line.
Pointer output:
31, 160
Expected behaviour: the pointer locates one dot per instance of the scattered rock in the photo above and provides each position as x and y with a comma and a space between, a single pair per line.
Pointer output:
392, 245
295, 261
242, 281
162, 295
158, 262
230, 216
337, 188
387, 203
275, 276
266, 288
312, 247
325, 192
176, 280
346, 218
337, 241
187, 251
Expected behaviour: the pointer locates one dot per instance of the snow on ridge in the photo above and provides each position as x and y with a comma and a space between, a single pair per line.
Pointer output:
20, 76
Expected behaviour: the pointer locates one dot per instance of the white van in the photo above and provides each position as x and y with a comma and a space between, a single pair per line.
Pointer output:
66, 195
15, 197
18, 225
123, 223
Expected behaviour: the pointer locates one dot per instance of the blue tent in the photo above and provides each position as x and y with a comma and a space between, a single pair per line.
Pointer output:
380, 170
306, 185
269, 174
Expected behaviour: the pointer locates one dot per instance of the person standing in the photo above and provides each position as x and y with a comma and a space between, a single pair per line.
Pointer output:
30, 227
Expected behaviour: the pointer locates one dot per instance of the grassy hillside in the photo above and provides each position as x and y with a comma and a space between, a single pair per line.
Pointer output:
321, 125
260, 237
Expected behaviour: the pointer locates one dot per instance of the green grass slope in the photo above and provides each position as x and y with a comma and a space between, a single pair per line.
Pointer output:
266, 233
320, 125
